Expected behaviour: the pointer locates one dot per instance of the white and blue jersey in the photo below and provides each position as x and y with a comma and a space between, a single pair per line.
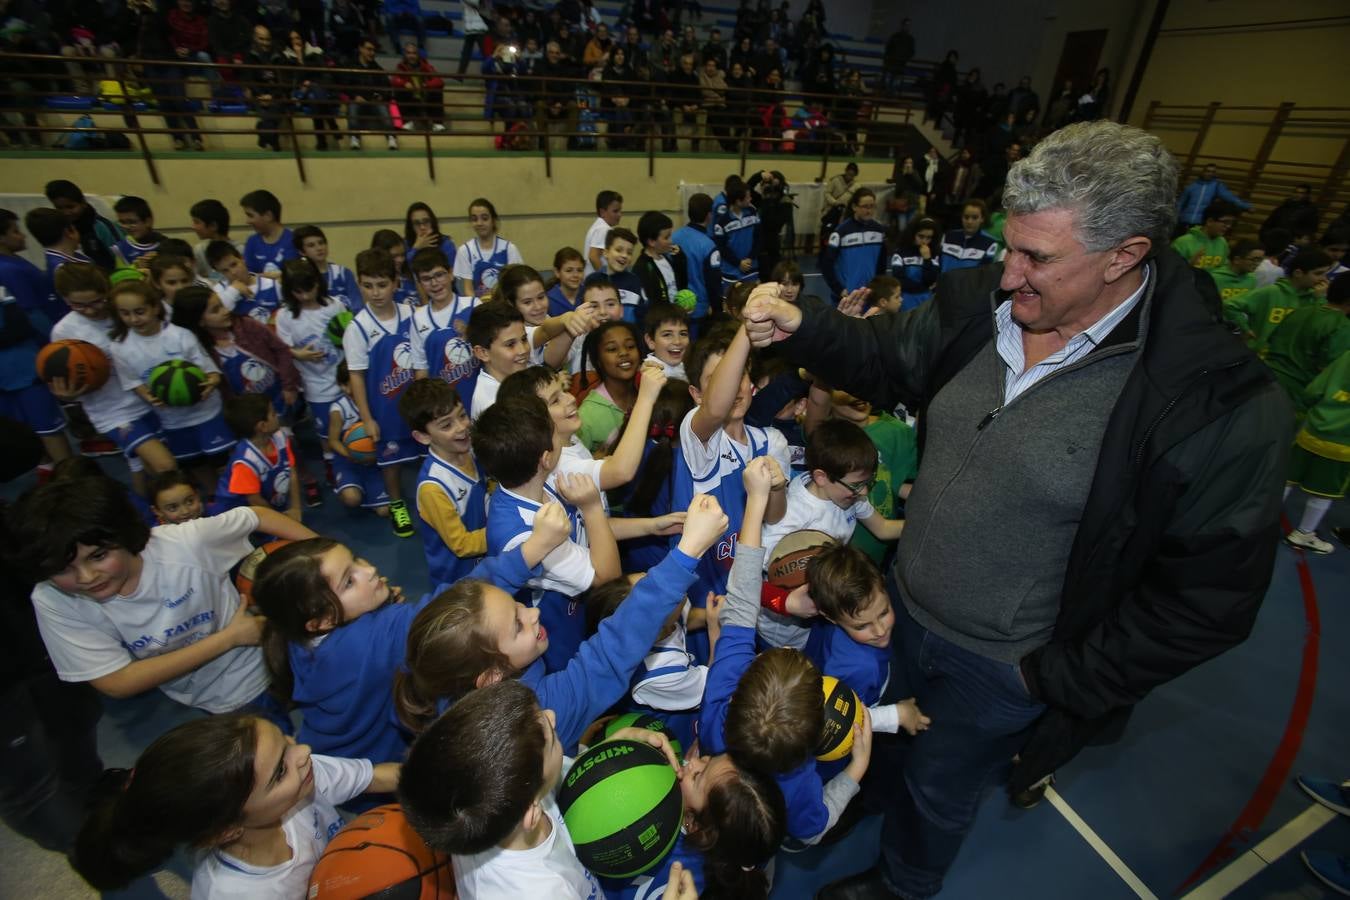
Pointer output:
130, 250
703, 265
262, 306
915, 274
481, 268
439, 347
382, 352
651, 884
340, 282
854, 255
966, 251
263, 258
112, 409
347, 474
274, 475
567, 570
469, 495
629, 287
737, 236
247, 374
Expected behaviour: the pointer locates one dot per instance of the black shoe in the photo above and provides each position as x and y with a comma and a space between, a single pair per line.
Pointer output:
1033, 795
866, 885
1342, 535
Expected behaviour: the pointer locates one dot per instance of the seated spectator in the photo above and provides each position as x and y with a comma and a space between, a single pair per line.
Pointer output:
368, 97
633, 47
685, 99
555, 105
713, 82
144, 35
740, 99
572, 43
597, 49
84, 31
417, 90
771, 56
616, 69
665, 57
265, 88
743, 53
229, 34
817, 74
188, 36
308, 86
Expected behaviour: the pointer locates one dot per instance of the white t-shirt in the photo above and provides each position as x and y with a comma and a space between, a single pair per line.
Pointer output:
112, 405
595, 239
550, 870
484, 393
185, 593
675, 371
309, 330
135, 355
577, 460
567, 568
1268, 273
309, 826
668, 273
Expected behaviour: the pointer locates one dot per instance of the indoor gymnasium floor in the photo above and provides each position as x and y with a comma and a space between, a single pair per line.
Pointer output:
1198, 798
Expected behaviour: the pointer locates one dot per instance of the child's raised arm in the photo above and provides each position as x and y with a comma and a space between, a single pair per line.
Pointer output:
621, 466
280, 525
580, 490
723, 386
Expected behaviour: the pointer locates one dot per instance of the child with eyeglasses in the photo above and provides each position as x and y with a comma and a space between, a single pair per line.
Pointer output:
830, 496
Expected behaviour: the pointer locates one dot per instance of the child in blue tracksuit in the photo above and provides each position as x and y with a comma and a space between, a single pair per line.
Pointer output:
916, 263
702, 262
780, 735
967, 247
856, 250
736, 232
477, 634
337, 633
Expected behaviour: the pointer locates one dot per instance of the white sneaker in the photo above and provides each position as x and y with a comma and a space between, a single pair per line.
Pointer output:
438, 127
392, 142
354, 143
1307, 540
409, 126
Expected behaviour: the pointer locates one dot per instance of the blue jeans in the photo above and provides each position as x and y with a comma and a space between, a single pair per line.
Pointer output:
981, 714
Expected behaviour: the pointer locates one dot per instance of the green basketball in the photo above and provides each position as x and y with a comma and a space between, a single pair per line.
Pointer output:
649, 722
686, 299
176, 383
337, 327
622, 806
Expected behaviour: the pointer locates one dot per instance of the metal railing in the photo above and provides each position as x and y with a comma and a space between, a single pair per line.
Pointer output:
522, 111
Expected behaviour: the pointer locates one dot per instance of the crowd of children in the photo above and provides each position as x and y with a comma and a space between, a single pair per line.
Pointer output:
605, 469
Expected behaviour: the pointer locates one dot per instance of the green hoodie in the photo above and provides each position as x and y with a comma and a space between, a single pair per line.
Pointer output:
1230, 284
1326, 430
1213, 251
897, 462
1306, 342
1258, 312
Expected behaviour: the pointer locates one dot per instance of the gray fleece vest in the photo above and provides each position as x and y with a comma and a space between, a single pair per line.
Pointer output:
993, 514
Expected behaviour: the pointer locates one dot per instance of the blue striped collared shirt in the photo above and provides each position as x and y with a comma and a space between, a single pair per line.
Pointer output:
1009, 344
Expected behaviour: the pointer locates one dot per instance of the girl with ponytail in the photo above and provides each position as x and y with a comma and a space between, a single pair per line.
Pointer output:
257, 807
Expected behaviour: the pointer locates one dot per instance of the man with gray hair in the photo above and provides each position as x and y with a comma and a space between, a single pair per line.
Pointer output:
1097, 506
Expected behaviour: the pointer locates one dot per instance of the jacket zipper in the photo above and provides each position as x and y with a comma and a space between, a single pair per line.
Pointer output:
1167, 410
1072, 367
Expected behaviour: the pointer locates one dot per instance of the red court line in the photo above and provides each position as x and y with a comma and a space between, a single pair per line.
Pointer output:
1276, 776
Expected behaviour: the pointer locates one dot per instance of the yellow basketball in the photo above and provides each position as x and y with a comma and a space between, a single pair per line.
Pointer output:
843, 710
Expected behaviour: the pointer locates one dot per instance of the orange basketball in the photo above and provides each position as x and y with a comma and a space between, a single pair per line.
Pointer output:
248, 569
787, 564
80, 363
379, 854
359, 444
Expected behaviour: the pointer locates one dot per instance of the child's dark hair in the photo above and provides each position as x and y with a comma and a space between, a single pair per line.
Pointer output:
1220, 209
1244, 247
734, 189
470, 777
428, 258
261, 201
590, 348
426, 400
61, 189
883, 287
47, 524
838, 447
512, 279
76, 277
160, 482
188, 787
673, 403
700, 206
485, 204
73, 467
141, 289
9, 218
979, 204
1308, 259
509, 438
737, 296
597, 281
659, 314
603, 600
410, 233
776, 715
386, 239
301, 275
243, 413
162, 263
304, 233
842, 581
448, 649
46, 225
620, 234
212, 212
787, 272
566, 255
606, 199
134, 205
651, 225
189, 305
739, 830
375, 263
714, 342
291, 592
219, 250
172, 246
1274, 241
488, 320
526, 383
922, 223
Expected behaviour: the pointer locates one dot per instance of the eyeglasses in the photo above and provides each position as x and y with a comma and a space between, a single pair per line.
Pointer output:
433, 277
417, 222
859, 489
